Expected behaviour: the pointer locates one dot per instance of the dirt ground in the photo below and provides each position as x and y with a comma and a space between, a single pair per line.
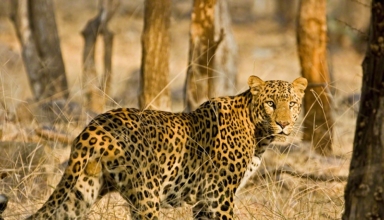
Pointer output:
265, 49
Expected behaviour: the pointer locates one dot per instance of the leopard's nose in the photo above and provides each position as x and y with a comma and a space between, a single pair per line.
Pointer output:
282, 124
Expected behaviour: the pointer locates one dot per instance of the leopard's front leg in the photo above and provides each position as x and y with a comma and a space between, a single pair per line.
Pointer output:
216, 201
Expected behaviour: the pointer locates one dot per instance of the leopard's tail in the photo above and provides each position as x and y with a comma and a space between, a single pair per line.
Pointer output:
80, 185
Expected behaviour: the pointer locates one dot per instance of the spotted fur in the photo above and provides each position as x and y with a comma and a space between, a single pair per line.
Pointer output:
157, 159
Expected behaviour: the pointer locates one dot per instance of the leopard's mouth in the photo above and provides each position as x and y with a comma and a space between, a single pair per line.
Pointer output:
282, 133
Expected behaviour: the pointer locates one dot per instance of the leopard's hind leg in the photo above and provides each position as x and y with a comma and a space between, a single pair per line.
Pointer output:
81, 184
73, 196
140, 185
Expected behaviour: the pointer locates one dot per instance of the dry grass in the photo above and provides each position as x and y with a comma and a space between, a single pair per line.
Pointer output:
264, 50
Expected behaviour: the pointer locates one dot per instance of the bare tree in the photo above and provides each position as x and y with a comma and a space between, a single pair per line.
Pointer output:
199, 85
225, 59
155, 93
364, 193
312, 40
98, 26
40, 51
286, 12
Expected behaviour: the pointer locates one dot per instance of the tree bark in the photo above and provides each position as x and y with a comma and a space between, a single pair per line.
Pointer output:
225, 58
41, 52
20, 19
364, 193
95, 92
42, 19
107, 75
107, 11
312, 40
154, 88
286, 12
89, 77
199, 85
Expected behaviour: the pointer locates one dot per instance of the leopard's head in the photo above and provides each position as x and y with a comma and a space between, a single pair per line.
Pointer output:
276, 104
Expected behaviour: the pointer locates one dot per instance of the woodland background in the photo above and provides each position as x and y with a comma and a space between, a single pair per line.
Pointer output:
294, 182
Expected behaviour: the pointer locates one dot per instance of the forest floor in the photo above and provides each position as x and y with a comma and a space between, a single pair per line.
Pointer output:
311, 187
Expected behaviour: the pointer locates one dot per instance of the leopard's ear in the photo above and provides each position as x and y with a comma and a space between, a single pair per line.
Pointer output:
299, 85
255, 84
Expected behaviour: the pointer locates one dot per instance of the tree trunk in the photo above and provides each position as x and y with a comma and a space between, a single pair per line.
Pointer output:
42, 19
41, 52
364, 193
286, 12
95, 92
312, 38
29, 53
155, 92
225, 59
107, 75
199, 85
89, 77
107, 11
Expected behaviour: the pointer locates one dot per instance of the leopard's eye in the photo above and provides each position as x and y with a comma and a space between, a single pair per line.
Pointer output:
291, 104
270, 103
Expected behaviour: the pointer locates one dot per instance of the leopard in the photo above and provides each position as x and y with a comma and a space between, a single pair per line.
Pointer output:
157, 159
